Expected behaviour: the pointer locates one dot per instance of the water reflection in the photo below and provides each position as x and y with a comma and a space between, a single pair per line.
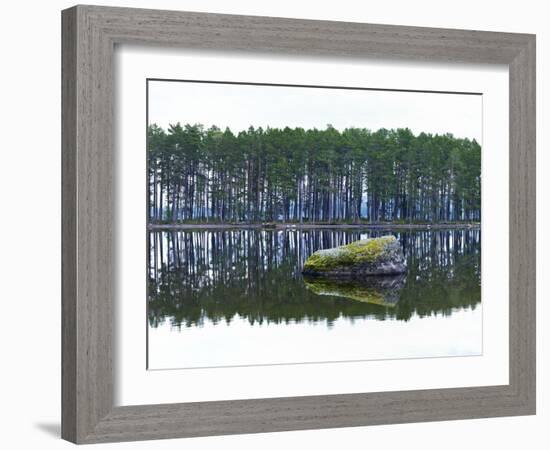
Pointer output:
216, 275
378, 290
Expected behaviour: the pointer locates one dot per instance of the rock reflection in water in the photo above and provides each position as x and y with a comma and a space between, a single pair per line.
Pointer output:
377, 290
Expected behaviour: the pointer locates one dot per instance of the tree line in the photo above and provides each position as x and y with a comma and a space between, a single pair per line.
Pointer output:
297, 175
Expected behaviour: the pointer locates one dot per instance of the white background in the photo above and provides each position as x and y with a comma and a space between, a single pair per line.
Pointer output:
135, 385
30, 263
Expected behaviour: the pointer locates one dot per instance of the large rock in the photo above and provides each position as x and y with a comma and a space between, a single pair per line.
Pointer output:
376, 256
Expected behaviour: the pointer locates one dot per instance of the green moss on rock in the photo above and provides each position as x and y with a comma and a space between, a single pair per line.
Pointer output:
381, 255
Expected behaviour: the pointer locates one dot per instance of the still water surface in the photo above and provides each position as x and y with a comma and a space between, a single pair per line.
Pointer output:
223, 297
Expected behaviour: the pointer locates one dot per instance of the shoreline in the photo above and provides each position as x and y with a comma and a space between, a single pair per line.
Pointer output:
303, 226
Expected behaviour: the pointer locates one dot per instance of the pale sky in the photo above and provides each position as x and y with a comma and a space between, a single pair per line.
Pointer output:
240, 106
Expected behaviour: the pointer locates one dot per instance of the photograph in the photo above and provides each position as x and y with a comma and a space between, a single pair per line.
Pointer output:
307, 223
291, 224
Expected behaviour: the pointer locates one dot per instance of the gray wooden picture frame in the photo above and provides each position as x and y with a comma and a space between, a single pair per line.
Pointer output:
90, 34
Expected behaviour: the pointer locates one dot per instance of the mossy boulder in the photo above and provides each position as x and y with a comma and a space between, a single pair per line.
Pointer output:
366, 257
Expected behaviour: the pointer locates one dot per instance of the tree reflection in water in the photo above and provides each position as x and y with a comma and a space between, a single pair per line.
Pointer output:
216, 274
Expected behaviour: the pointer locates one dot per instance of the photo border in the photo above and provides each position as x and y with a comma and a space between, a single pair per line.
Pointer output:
89, 37
198, 226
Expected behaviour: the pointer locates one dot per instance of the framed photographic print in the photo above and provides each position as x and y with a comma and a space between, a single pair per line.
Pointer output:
268, 222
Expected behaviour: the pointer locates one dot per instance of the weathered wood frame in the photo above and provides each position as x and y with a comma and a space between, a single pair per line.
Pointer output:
89, 36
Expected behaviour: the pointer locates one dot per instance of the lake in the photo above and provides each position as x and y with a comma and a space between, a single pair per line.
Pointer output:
230, 297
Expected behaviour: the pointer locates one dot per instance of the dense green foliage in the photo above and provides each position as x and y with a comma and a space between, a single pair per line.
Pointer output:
297, 175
